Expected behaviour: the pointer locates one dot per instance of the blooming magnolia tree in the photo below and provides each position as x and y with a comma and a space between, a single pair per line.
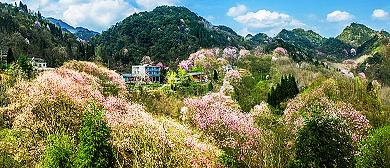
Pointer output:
219, 116
232, 76
356, 124
146, 60
279, 51
54, 101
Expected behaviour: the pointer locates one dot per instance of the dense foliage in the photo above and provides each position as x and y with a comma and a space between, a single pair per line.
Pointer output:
94, 149
29, 34
286, 89
375, 150
165, 34
322, 143
304, 39
356, 34
211, 111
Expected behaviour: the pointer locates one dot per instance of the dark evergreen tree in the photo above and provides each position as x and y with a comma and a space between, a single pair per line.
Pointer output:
24, 64
286, 89
10, 56
215, 77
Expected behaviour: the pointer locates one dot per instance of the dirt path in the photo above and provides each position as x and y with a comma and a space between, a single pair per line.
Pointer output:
345, 67
362, 58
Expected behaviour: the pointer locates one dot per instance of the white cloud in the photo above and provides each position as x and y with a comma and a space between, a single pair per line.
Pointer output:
244, 32
266, 21
97, 15
263, 19
297, 23
338, 16
380, 14
235, 11
312, 17
210, 18
151, 4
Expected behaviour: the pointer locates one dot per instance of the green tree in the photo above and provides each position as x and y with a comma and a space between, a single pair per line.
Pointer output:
375, 151
10, 56
321, 143
59, 151
24, 64
215, 77
93, 149
286, 89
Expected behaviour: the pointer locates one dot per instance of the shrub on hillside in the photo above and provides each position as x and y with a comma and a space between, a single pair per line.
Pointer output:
316, 102
50, 104
375, 151
140, 140
54, 103
219, 116
322, 142
94, 149
8, 146
59, 151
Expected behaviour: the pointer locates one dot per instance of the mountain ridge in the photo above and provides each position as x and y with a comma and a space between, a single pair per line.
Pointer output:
80, 32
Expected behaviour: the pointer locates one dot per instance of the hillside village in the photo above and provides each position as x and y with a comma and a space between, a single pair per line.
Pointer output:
166, 88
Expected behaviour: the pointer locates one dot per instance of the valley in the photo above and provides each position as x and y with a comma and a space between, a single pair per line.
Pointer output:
166, 88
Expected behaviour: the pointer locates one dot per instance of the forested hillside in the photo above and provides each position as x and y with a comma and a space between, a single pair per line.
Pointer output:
28, 34
294, 100
165, 34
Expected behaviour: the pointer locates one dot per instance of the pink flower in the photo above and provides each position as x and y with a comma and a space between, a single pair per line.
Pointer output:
280, 51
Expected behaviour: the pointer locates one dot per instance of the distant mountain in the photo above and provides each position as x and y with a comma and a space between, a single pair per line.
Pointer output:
307, 40
166, 34
28, 34
259, 38
357, 34
80, 32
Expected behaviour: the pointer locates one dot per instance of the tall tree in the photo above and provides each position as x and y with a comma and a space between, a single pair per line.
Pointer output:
10, 56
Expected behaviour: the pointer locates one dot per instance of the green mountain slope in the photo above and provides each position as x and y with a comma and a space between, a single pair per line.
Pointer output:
356, 34
307, 40
30, 35
165, 34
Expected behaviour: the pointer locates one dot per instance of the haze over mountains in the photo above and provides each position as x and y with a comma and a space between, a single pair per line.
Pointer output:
80, 32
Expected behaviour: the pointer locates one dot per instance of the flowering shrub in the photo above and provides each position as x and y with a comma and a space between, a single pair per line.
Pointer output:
50, 104
54, 102
104, 74
204, 53
186, 65
219, 116
226, 88
244, 52
146, 60
230, 52
160, 65
345, 52
279, 51
362, 75
232, 76
141, 140
318, 100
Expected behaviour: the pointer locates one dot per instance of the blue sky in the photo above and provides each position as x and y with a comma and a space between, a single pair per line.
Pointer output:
328, 18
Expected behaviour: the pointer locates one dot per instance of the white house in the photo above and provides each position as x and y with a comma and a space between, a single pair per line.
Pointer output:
143, 72
39, 64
